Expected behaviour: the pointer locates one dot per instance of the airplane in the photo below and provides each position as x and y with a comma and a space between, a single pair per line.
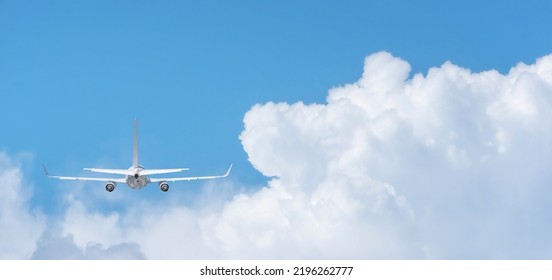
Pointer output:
136, 176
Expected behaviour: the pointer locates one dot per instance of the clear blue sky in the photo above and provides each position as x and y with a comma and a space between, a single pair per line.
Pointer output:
74, 74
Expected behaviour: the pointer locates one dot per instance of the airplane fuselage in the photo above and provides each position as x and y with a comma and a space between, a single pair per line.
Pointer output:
136, 181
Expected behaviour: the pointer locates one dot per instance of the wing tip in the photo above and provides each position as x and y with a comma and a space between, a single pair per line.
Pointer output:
45, 170
229, 169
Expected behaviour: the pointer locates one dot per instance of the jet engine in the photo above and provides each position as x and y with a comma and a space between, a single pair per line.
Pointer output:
163, 186
110, 186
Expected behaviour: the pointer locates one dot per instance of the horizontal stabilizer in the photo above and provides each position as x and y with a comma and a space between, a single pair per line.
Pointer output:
162, 171
110, 171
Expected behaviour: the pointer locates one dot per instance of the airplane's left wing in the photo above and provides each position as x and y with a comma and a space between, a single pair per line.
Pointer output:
117, 180
156, 180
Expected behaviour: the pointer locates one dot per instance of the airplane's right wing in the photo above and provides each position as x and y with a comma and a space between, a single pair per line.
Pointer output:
156, 180
117, 180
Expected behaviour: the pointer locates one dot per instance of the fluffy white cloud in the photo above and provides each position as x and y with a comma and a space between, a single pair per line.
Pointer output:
51, 247
24, 231
20, 226
451, 164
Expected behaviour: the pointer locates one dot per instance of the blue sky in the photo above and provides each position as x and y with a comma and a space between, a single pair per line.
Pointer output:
74, 74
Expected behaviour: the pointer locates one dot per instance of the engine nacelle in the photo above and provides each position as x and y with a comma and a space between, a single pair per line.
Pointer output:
110, 186
163, 186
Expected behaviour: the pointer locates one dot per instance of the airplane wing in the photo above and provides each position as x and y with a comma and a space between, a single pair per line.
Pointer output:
156, 180
117, 180
162, 171
110, 171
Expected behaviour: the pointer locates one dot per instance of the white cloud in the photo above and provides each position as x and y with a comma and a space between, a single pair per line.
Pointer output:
24, 233
445, 165
451, 164
56, 247
20, 226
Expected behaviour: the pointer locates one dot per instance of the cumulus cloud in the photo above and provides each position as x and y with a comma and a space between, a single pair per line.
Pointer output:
452, 164
448, 164
24, 231
57, 247
20, 226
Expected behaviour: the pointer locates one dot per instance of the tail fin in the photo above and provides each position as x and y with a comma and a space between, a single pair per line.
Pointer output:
135, 154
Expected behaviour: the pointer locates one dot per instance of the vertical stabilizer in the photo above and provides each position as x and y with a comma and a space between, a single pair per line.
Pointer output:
135, 153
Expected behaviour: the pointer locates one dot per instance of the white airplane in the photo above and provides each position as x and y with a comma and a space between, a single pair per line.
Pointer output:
136, 176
